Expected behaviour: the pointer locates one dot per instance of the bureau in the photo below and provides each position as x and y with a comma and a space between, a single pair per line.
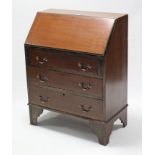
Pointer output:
76, 63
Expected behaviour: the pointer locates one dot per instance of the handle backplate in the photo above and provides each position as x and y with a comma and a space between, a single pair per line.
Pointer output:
41, 60
84, 67
42, 78
43, 99
85, 108
85, 86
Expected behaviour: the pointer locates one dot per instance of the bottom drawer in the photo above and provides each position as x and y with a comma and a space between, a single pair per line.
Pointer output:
65, 102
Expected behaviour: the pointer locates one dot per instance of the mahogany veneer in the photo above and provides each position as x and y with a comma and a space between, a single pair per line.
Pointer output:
76, 63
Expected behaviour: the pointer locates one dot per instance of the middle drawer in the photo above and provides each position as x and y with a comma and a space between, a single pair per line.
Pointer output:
76, 83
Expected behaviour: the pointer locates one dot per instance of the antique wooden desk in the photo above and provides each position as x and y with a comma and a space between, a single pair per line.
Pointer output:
76, 63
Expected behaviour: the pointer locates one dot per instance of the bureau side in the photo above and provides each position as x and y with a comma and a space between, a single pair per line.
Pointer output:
115, 69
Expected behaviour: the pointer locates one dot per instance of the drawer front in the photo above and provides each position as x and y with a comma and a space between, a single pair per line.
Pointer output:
65, 61
69, 103
75, 83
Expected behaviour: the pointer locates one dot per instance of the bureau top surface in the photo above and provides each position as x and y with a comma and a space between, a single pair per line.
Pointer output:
78, 31
85, 13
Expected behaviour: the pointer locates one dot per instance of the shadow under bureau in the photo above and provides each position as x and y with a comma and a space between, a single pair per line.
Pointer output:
76, 63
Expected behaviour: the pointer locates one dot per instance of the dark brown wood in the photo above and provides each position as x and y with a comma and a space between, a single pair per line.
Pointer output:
115, 69
103, 129
64, 101
76, 83
76, 63
42, 57
123, 117
34, 112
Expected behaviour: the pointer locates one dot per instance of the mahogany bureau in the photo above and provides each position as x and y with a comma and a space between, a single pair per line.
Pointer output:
76, 63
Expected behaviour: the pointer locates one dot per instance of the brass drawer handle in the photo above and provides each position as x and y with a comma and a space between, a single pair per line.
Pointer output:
43, 99
85, 109
42, 78
84, 67
41, 60
85, 86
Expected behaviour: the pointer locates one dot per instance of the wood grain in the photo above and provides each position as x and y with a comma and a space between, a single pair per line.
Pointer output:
82, 106
64, 60
78, 84
115, 69
78, 33
76, 63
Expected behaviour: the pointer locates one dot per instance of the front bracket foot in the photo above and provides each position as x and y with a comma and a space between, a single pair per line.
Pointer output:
34, 112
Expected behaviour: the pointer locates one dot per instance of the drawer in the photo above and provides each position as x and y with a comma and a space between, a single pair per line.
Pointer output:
64, 61
58, 100
82, 85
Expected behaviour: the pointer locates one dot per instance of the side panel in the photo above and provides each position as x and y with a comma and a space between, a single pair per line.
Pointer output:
115, 69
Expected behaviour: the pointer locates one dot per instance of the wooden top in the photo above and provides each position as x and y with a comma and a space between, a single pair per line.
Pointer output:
72, 30
85, 13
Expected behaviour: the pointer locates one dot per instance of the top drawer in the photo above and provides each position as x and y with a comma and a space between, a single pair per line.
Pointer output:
65, 61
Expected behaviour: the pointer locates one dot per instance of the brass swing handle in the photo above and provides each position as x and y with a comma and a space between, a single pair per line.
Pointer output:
84, 67
43, 99
41, 60
85, 109
85, 86
42, 78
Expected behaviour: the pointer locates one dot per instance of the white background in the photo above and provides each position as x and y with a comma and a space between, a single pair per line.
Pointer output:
59, 134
